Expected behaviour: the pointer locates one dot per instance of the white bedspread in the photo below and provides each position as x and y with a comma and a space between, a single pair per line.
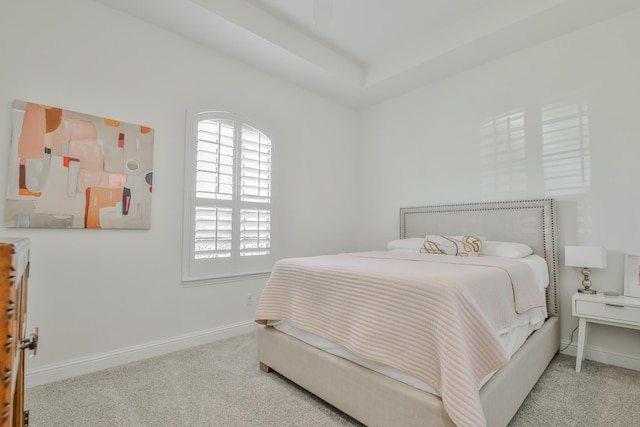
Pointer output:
435, 317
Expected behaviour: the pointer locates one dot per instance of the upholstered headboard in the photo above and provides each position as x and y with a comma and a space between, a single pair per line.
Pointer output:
525, 221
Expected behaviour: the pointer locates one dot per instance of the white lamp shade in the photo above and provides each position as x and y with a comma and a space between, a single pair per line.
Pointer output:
585, 256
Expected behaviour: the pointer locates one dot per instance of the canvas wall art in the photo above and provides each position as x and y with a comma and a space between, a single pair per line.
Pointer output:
74, 170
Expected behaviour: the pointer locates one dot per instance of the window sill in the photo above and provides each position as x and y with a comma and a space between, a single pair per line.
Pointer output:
205, 281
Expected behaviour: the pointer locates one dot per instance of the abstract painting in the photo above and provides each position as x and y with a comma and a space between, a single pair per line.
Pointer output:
74, 170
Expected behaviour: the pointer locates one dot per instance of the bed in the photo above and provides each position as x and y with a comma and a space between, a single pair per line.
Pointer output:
379, 399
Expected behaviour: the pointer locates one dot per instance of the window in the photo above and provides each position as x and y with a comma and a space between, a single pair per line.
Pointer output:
227, 199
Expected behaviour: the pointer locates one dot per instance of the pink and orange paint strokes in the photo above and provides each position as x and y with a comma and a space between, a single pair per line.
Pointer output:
73, 170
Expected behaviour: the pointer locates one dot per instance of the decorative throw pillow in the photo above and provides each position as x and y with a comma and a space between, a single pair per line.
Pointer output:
453, 245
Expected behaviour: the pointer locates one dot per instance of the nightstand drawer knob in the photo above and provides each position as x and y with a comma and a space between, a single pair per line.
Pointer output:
615, 305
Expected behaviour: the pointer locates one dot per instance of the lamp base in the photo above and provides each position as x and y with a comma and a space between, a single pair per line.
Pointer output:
586, 283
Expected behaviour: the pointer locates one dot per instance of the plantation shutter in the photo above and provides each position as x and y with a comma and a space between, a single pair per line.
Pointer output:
231, 197
255, 193
214, 184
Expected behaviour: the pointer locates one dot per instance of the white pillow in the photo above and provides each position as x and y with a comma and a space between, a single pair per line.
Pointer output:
413, 244
505, 249
452, 245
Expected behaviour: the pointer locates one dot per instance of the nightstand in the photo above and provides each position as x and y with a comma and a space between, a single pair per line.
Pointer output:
618, 311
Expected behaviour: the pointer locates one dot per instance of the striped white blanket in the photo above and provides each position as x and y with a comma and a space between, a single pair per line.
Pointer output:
435, 317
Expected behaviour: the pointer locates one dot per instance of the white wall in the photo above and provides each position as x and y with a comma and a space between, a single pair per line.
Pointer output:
427, 143
104, 297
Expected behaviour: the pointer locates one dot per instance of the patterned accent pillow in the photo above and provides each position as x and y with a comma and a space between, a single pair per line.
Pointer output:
452, 245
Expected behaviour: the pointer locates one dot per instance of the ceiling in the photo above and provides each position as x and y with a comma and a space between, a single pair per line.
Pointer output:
358, 52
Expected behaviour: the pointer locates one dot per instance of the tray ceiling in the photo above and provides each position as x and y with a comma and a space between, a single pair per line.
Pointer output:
358, 52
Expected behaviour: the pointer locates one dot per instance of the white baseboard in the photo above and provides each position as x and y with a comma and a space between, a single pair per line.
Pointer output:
598, 355
97, 362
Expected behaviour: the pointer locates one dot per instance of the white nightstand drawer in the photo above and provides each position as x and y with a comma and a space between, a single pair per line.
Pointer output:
610, 310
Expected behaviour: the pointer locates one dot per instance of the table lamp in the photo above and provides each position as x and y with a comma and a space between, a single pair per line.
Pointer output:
586, 257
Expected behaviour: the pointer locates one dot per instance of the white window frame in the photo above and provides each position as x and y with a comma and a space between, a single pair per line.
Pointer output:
210, 271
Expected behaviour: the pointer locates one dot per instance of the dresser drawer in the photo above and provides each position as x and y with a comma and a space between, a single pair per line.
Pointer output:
612, 311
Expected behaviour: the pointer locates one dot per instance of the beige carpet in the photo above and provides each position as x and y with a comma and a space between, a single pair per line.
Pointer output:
219, 384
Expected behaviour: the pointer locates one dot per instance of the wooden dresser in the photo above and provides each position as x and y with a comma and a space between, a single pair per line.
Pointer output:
14, 273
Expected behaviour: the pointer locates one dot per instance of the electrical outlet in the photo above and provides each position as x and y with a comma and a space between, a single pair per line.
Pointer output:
249, 299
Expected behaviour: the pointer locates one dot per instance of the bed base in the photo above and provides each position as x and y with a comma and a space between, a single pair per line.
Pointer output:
377, 400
